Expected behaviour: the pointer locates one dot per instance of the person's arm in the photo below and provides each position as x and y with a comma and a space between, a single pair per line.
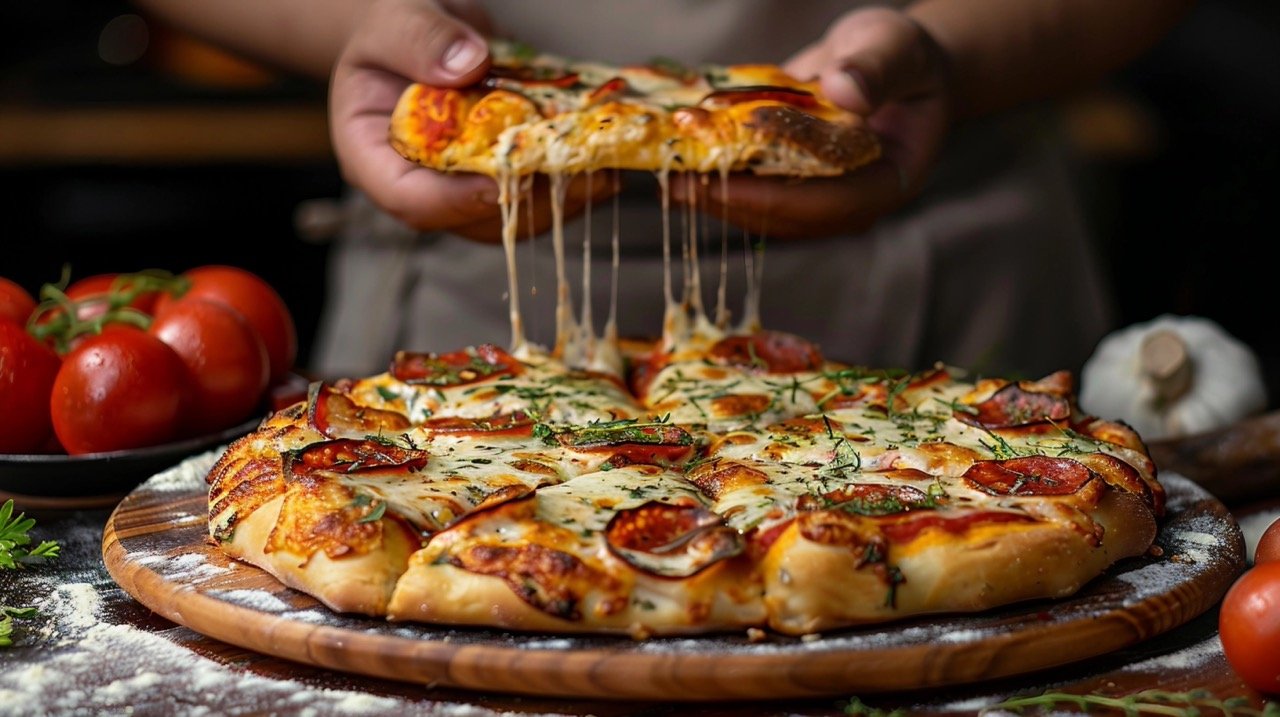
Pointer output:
372, 50
300, 36
1006, 52
913, 73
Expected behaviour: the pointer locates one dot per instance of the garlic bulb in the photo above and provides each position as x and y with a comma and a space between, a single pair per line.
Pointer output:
1172, 376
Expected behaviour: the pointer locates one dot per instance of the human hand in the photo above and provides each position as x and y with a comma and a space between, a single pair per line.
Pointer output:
396, 43
879, 63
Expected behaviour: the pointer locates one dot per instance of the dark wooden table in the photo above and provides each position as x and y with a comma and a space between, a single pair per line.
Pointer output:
95, 650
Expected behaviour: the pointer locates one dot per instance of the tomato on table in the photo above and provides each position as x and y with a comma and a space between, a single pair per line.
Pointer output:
27, 371
1249, 626
256, 300
226, 359
1268, 546
16, 303
120, 389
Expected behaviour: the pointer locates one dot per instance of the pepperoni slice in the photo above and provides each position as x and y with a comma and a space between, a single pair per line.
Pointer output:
502, 77
1015, 406
673, 541
768, 352
516, 423
611, 89
333, 414
453, 369
752, 93
628, 441
1029, 476
347, 455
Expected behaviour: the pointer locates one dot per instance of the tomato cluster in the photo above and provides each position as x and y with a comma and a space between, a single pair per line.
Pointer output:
1249, 622
122, 361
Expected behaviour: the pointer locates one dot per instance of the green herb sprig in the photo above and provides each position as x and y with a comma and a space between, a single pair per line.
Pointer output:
1195, 703
7, 614
14, 554
14, 540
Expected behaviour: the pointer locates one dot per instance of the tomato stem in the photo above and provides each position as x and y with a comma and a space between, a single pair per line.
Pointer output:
58, 318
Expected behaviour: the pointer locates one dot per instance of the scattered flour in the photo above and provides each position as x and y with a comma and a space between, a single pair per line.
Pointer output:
1195, 536
1187, 658
94, 667
187, 475
256, 599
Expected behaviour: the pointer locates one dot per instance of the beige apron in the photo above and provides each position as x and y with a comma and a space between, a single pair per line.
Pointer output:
990, 269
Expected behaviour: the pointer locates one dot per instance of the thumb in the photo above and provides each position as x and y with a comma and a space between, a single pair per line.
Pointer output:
882, 55
419, 40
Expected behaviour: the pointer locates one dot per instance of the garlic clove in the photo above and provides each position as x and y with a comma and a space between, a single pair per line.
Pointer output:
1172, 376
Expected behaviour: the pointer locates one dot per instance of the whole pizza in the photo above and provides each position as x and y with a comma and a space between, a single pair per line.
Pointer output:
720, 477
739, 481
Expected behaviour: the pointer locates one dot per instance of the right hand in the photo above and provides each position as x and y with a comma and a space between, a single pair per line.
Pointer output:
396, 43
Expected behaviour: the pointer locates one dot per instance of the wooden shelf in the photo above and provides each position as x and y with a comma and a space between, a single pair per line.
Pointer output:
163, 134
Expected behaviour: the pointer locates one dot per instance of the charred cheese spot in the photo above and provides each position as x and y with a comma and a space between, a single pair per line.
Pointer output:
718, 477
740, 405
320, 514
550, 580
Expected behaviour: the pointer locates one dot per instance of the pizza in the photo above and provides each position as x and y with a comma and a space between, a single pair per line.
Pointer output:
541, 113
719, 477
731, 482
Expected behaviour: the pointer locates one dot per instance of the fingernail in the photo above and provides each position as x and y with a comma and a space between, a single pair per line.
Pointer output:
462, 56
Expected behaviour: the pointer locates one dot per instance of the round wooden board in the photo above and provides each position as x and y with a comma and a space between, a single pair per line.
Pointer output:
155, 547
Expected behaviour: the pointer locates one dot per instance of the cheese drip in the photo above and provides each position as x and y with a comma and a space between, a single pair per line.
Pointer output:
685, 319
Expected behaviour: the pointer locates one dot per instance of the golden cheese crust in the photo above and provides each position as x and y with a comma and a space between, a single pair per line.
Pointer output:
740, 482
546, 114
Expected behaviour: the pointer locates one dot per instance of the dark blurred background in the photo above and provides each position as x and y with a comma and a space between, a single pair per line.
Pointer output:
125, 145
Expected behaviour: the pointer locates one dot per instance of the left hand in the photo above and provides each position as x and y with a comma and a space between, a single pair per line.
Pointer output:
880, 64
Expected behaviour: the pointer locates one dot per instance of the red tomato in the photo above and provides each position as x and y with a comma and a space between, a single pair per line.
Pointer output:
15, 303
98, 286
254, 298
1249, 626
226, 359
27, 369
1268, 546
120, 389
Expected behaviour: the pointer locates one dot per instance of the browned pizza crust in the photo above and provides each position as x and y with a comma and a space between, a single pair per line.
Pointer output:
808, 584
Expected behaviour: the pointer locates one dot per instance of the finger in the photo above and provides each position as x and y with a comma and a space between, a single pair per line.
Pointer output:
883, 55
808, 62
420, 41
808, 208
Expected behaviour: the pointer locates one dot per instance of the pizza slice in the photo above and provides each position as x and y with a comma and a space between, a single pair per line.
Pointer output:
629, 550
547, 114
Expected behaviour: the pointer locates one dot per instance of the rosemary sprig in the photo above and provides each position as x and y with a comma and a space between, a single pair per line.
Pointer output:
1152, 702
15, 554
14, 540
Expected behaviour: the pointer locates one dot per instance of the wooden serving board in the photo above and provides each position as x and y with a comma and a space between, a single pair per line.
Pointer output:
155, 547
